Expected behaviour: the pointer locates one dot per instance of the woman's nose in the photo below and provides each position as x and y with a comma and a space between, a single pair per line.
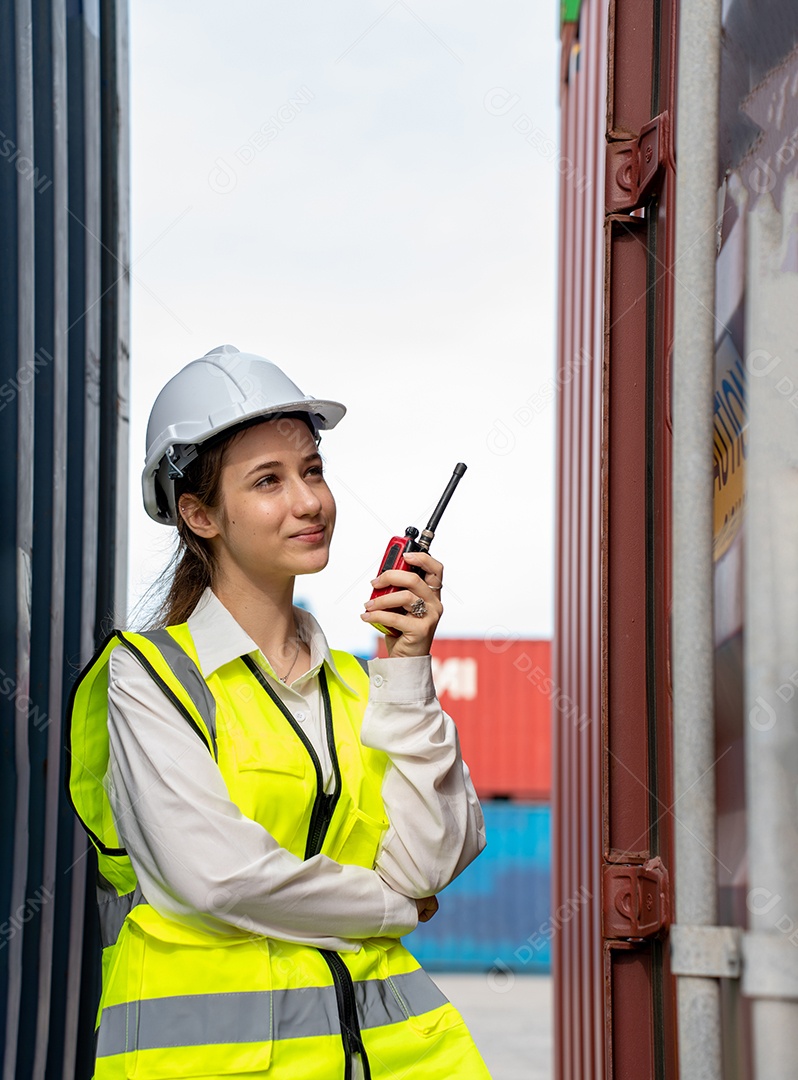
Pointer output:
306, 498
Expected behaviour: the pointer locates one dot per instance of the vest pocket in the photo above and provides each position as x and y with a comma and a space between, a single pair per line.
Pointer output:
357, 841
191, 1004
261, 754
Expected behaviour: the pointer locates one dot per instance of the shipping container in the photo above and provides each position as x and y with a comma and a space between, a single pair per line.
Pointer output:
500, 694
677, 592
63, 437
496, 917
612, 784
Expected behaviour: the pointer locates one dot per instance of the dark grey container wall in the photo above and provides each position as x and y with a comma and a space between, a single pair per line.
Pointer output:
63, 448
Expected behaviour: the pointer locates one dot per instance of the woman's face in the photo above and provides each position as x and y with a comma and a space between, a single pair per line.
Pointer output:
276, 515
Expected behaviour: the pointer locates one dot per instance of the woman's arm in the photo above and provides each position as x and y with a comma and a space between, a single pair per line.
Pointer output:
198, 859
437, 827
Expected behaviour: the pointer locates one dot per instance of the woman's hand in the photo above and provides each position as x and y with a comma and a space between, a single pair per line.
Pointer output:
417, 631
427, 907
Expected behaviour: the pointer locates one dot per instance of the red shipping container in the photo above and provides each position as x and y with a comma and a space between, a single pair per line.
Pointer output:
500, 695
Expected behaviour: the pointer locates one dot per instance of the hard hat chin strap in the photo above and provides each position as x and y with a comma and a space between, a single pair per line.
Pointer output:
178, 457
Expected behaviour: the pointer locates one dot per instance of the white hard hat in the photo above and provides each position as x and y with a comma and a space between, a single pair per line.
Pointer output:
219, 392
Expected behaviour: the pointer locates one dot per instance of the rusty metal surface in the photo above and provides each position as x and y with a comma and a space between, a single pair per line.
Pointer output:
626, 811
631, 66
628, 973
613, 1008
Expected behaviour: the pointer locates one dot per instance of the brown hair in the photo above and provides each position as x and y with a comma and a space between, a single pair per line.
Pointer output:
192, 566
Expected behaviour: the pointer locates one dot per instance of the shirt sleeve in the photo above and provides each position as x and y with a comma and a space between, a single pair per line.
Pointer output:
436, 823
200, 860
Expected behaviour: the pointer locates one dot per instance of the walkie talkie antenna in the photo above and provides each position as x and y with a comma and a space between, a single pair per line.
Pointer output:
428, 534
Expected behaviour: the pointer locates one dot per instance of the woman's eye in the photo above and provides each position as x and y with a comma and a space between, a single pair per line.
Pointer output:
317, 470
267, 481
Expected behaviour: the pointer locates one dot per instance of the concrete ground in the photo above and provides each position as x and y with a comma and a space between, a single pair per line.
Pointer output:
510, 1018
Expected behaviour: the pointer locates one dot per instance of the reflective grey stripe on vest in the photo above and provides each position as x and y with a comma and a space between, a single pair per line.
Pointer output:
260, 1016
114, 909
188, 675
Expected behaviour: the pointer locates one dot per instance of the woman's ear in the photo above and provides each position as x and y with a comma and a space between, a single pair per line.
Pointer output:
197, 517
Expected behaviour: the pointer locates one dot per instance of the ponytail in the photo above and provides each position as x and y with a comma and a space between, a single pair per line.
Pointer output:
192, 574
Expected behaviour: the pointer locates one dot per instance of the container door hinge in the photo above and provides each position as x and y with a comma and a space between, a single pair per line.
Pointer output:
634, 166
635, 901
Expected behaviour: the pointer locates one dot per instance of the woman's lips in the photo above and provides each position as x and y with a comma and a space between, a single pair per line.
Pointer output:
310, 536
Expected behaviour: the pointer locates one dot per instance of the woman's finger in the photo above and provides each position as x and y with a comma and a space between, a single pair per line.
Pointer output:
427, 906
404, 598
413, 608
400, 620
414, 635
433, 570
414, 626
406, 579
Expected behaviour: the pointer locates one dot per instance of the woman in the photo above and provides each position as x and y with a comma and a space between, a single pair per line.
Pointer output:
269, 819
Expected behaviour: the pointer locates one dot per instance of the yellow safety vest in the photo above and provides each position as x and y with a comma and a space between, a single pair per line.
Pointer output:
178, 1002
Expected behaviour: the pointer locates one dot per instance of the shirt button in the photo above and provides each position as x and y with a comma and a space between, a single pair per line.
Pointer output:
378, 680
300, 716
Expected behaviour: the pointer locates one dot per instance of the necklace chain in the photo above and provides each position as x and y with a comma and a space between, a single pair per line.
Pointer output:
282, 678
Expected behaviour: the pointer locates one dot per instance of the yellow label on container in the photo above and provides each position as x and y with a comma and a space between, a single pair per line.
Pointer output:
730, 446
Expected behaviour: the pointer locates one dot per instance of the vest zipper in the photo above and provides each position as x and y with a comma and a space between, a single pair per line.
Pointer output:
347, 1013
320, 817
344, 987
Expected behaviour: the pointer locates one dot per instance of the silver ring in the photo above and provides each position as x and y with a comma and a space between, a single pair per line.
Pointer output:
435, 588
419, 609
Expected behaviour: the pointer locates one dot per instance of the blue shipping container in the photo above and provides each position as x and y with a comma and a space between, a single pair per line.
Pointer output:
497, 914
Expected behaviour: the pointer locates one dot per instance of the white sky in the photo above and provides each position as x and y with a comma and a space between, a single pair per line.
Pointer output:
366, 194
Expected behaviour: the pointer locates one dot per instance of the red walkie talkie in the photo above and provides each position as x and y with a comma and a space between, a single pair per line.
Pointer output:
393, 559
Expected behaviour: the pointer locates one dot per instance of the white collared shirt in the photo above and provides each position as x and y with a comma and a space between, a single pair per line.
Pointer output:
199, 860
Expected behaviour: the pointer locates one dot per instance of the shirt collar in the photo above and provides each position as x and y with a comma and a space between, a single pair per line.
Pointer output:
218, 639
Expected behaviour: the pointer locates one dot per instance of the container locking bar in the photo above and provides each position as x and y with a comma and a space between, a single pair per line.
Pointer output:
710, 952
770, 965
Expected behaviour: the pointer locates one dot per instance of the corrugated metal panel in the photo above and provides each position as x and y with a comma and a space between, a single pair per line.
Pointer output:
52, 158
21, 502
577, 794
496, 916
83, 112
49, 515
500, 694
115, 335
8, 448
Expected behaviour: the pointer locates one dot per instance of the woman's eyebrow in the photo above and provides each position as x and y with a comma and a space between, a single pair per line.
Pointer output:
315, 456
263, 465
